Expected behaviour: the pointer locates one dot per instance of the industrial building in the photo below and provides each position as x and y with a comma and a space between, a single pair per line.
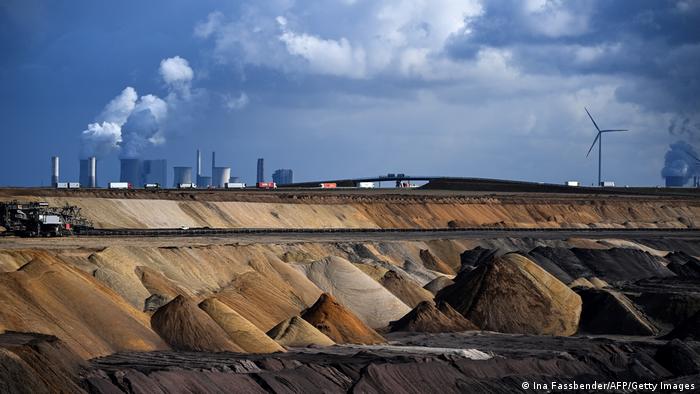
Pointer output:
130, 171
138, 172
182, 176
261, 171
283, 176
155, 171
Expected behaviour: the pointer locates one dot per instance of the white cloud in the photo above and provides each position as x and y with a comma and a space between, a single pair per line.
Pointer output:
382, 37
100, 139
207, 28
332, 57
176, 70
236, 103
119, 108
177, 74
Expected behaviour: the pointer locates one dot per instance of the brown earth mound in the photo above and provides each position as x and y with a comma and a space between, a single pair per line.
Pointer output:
263, 300
47, 296
242, 332
297, 332
355, 290
433, 263
156, 283
610, 312
514, 295
36, 363
186, 327
438, 284
405, 289
428, 317
338, 323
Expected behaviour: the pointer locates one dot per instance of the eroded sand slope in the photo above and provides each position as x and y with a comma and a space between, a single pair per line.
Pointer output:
280, 210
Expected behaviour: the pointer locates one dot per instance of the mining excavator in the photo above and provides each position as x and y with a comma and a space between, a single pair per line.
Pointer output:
37, 219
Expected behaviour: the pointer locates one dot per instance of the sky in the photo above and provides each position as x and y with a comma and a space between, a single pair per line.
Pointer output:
352, 88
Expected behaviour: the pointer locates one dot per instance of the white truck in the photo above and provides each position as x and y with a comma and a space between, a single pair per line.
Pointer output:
62, 185
119, 185
234, 185
607, 184
186, 186
366, 185
73, 185
573, 183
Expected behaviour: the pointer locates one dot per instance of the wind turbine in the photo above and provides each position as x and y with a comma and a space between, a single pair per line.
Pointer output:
599, 140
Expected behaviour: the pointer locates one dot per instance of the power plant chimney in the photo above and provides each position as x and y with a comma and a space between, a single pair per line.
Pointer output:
92, 171
199, 163
198, 168
54, 171
261, 170
213, 163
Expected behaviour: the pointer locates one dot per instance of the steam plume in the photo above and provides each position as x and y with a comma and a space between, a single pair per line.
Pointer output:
128, 124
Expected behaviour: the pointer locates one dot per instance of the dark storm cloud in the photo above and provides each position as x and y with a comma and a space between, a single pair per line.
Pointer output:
654, 44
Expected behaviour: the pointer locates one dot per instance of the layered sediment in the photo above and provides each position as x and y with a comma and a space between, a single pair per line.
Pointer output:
172, 209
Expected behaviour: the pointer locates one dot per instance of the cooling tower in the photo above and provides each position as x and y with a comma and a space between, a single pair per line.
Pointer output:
54, 171
131, 172
675, 181
220, 176
182, 175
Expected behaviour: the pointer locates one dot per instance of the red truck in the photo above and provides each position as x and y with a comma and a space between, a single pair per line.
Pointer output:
267, 185
328, 186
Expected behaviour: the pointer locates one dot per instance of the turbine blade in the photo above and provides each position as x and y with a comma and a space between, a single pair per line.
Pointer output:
594, 123
593, 144
607, 131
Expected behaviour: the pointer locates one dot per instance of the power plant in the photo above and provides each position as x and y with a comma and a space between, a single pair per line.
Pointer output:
681, 165
283, 176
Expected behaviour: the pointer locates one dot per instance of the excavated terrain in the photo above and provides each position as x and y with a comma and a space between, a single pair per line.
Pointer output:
373, 209
391, 313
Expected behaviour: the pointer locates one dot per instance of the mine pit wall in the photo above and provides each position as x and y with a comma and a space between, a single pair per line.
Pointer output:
257, 210
260, 281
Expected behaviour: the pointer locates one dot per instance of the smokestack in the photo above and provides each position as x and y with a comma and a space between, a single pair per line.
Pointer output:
199, 163
54, 170
92, 172
261, 170
213, 163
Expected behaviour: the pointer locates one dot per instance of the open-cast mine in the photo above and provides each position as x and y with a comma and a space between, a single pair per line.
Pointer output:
293, 291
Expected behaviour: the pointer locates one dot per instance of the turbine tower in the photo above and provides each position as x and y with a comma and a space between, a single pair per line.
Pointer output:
599, 140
